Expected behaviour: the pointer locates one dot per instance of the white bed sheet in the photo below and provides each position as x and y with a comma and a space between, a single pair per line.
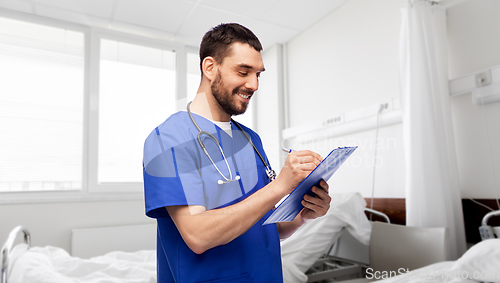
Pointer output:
312, 240
55, 265
481, 263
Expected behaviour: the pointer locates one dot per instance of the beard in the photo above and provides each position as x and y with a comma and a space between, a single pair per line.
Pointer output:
226, 99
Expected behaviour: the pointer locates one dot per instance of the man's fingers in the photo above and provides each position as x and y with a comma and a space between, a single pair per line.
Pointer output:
321, 203
307, 167
312, 200
308, 159
322, 199
324, 186
308, 153
318, 209
321, 193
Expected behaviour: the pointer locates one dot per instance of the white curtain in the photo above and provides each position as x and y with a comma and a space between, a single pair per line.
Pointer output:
432, 185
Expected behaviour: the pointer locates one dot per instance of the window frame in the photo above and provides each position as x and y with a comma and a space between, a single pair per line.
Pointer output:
93, 141
91, 190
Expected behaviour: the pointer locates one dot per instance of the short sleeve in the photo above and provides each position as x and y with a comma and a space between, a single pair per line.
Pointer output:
170, 171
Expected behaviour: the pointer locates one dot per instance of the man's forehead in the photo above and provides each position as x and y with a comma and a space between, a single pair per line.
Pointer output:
249, 67
245, 56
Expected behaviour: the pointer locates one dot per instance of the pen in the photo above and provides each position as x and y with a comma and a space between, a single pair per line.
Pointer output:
287, 150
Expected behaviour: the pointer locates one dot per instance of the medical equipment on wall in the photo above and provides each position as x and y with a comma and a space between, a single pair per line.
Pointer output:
380, 109
485, 230
269, 172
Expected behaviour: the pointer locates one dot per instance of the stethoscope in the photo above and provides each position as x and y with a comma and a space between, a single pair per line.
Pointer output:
269, 172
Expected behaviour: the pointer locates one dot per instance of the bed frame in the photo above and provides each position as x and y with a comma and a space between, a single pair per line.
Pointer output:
330, 267
7, 248
486, 232
89, 242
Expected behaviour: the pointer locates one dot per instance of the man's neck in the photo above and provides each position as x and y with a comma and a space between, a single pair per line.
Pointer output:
205, 105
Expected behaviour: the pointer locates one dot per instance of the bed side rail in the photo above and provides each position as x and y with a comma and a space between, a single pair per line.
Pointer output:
378, 213
7, 248
489, 215
486, 231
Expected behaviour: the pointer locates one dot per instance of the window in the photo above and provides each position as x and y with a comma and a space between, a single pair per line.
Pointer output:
137, 87
41, 107
77, 103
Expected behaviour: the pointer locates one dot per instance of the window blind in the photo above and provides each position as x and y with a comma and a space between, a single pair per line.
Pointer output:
41, 107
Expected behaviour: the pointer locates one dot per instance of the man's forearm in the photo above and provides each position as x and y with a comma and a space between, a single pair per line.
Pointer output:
286, 229
204, 229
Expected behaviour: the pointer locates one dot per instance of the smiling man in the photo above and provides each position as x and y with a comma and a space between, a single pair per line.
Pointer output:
206, 178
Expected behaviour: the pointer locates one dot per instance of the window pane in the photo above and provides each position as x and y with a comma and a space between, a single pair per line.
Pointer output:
41, 107
137, 93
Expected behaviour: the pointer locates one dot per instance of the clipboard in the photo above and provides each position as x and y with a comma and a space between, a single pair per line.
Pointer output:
291, 206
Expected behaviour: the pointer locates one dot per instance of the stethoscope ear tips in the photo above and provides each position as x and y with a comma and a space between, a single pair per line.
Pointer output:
220, 182
237, 178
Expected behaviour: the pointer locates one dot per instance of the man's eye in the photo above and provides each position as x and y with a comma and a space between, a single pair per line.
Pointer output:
243, 73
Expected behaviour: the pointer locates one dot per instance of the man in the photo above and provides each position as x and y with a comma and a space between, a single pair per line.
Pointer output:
210, 206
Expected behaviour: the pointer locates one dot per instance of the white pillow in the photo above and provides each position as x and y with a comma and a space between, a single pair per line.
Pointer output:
481, 262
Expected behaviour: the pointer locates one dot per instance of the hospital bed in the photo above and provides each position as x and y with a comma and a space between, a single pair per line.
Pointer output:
306, 255
24, 263
339, 262
412, 254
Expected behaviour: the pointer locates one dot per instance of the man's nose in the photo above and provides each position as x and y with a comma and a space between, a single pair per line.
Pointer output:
252, 83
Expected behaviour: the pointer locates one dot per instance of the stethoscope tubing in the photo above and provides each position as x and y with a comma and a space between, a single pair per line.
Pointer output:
202, 145
270, 173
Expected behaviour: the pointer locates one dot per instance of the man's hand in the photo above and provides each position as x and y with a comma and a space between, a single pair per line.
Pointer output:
314, 207
298, 165
317, 206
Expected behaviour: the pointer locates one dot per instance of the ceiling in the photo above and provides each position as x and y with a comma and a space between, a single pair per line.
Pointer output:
185, 21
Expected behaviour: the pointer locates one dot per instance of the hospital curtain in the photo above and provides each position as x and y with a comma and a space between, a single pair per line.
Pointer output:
432, 185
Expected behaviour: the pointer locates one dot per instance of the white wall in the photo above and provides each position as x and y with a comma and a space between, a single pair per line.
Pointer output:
473, 36
474, 45
346, 61
267, 104
357, 174
51, 223
349, 60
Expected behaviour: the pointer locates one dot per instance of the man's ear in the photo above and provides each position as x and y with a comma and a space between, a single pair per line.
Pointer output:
209, 67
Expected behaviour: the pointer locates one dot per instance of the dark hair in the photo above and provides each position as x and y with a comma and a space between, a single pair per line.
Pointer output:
217, 41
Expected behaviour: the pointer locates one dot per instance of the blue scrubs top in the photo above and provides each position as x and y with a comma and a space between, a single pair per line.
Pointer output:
177, 172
